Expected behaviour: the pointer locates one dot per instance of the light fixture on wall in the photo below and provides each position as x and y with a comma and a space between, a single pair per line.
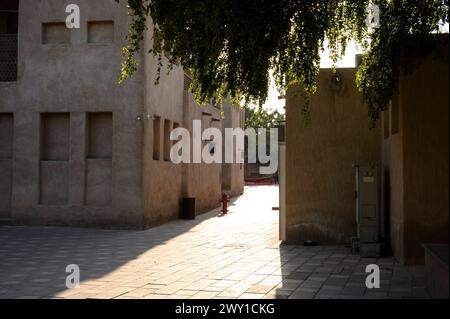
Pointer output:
336, 83
336, 79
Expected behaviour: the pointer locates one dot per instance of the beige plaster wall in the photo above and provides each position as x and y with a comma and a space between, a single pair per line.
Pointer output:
73, 77
103, 172
418, 158
320, 182
166, 183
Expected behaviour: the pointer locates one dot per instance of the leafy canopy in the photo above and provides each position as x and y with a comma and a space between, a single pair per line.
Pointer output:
259, 117
230, 46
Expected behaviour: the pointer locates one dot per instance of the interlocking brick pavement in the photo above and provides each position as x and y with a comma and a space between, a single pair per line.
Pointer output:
233, 256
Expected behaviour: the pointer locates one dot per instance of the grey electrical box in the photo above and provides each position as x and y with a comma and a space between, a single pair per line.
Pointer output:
367, 210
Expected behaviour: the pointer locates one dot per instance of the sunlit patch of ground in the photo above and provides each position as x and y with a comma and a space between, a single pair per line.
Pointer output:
237, 255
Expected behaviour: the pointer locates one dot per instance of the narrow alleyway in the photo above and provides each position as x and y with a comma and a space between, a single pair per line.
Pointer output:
232, 256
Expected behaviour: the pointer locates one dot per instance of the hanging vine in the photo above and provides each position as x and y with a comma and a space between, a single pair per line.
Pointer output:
230, 46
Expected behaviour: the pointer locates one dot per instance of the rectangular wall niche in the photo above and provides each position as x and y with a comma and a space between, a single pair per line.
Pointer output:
6, 155
99, 159
167, 141
175, 126
101, 32
156, 137
55, 33
54, 163
99, 135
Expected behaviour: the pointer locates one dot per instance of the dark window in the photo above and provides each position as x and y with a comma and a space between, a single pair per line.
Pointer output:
9, 23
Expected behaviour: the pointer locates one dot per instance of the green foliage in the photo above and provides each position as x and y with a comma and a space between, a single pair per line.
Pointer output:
230, 46
405, 27
135, 36
258, 117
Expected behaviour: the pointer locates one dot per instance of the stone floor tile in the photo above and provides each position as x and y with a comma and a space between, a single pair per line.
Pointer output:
138, 293
251, 296
311, 284
299, 275
235, 256
302, 295
353, 291
204, 295
260, 289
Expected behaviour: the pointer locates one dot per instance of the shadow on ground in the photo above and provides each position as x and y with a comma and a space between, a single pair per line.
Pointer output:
237, 255
34, 259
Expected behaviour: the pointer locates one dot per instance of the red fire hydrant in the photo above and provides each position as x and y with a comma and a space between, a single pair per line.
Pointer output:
224, 202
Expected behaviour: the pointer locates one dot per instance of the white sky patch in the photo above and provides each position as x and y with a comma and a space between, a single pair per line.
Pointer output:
347, 61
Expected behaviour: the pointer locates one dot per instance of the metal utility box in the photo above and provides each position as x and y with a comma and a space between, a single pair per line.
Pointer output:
367, 210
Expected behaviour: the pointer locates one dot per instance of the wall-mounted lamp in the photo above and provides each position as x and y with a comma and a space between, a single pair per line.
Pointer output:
336, 79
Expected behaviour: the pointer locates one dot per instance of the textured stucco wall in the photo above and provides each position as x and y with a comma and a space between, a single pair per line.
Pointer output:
103, 172
74, 77
320, 182
166, 183
419, 158
162, 180
202, 181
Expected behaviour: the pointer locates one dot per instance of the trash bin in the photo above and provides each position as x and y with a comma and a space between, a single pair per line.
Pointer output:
188, 208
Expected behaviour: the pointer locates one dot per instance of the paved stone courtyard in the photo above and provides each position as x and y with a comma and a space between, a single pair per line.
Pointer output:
214, 256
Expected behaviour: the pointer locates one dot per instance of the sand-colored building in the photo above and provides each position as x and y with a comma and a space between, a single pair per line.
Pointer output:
78, 149
412, 160
320, 178
415, 160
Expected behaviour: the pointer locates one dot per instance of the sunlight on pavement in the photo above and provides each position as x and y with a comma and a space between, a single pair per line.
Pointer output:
237, 255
